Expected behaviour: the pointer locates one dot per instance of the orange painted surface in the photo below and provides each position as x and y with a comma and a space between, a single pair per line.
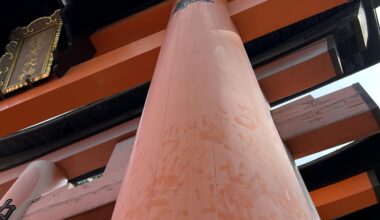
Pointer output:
334, 134
91, 200
243, 12
298, 78
207, 147
310, 125
133, 28
5, 186
101, 213
38, 178
120, 156
96, 157
127, 57
64, 203
344, 197
95, 151
103, 76
255, 18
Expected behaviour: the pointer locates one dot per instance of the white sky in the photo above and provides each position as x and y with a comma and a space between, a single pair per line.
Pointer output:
370, 81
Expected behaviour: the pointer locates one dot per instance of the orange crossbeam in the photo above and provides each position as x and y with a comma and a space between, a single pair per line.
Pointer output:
103, 76
80, 157
133, 28
304, 68
255, 18
74, 203
310, 125
344, 197
248, 16
128, 59
65, 203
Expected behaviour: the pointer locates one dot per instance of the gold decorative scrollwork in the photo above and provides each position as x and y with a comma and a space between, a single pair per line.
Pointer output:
29, 54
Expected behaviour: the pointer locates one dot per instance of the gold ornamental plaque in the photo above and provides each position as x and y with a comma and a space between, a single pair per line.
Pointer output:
29, 55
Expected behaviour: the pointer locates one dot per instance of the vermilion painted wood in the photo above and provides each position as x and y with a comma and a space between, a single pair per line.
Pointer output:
81, 157
245, 14
99, 147
38, 178
96, 197
255, 18
103, 76
310, 125
120, 156
127, 57
297, 71
344, 197
5, 186
101, 213
207, 147
66, 203
132, 28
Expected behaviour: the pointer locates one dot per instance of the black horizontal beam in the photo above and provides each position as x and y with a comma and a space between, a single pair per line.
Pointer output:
358, 157
66, 129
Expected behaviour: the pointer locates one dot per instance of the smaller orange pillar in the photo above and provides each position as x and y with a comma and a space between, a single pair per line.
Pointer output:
38, 178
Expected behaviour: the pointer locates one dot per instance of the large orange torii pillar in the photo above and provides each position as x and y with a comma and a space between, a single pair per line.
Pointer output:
207, 147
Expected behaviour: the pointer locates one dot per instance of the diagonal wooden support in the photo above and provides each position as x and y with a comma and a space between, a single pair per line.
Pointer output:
310, 125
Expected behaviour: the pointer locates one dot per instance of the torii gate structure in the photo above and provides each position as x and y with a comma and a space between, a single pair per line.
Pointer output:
207, 144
